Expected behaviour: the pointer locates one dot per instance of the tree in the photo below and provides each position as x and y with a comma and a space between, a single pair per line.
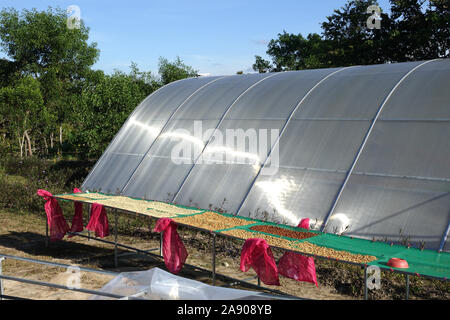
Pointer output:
261, 65
422, 29
294, 52
40, 45
414, 30
350, 40
7, 72
176, 70
22, 108
104, 106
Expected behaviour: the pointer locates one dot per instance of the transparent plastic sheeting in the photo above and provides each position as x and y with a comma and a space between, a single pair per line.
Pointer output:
320, 143
397, 209
400, 180
117, 164
174, 152
223, 184
400, 188
157, 284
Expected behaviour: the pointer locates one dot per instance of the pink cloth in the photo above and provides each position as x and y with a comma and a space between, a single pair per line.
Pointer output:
304, 223
55, 219
174, 252
298, 267
77, 220
99, 221
256, 253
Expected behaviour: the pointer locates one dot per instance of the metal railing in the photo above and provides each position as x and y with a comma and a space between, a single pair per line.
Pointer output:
4, 257
213, 259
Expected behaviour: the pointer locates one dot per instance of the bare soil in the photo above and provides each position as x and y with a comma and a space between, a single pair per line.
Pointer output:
24, 235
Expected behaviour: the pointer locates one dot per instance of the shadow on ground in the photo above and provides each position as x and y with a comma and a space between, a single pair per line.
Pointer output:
84, 254
101, 258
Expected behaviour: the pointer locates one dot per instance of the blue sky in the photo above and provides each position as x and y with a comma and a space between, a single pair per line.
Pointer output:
217, 37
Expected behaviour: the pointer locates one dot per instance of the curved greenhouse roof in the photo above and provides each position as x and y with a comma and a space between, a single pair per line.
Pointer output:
371, 142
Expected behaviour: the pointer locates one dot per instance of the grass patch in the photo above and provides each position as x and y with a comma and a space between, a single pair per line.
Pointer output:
21, 178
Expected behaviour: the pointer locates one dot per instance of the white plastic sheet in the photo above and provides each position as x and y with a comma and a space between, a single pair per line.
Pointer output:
157, 284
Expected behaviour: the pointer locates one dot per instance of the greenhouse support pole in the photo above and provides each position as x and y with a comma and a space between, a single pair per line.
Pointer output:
119, 132
116, 261
277, 141
363, 145
366, 292
444, 237
163, 130
1, 280
213, 262
407, 286
215, 130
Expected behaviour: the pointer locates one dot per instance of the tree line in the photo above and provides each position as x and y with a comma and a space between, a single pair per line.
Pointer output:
53, 102
413, 30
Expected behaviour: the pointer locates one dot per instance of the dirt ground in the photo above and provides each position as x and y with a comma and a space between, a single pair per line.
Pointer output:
24, 235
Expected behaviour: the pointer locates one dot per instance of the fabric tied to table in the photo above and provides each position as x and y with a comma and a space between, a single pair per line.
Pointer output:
296, 266
304, 223
77, 220
174, 251
256, 253
99, 221
55, 219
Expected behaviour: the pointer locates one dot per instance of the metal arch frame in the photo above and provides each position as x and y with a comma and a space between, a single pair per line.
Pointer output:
121, 129
366, 138
164, 127
54, 285
282, 131
444, 237
215, 130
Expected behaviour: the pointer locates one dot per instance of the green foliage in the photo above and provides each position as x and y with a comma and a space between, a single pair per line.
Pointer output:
261, 65
422, 29
176, 70
23, 110
7, 71
21, 178
40, 43
414, 30
294, 52
41, 47
105, 105
50, 98
350, 41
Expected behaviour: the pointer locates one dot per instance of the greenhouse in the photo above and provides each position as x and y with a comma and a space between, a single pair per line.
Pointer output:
370, 143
